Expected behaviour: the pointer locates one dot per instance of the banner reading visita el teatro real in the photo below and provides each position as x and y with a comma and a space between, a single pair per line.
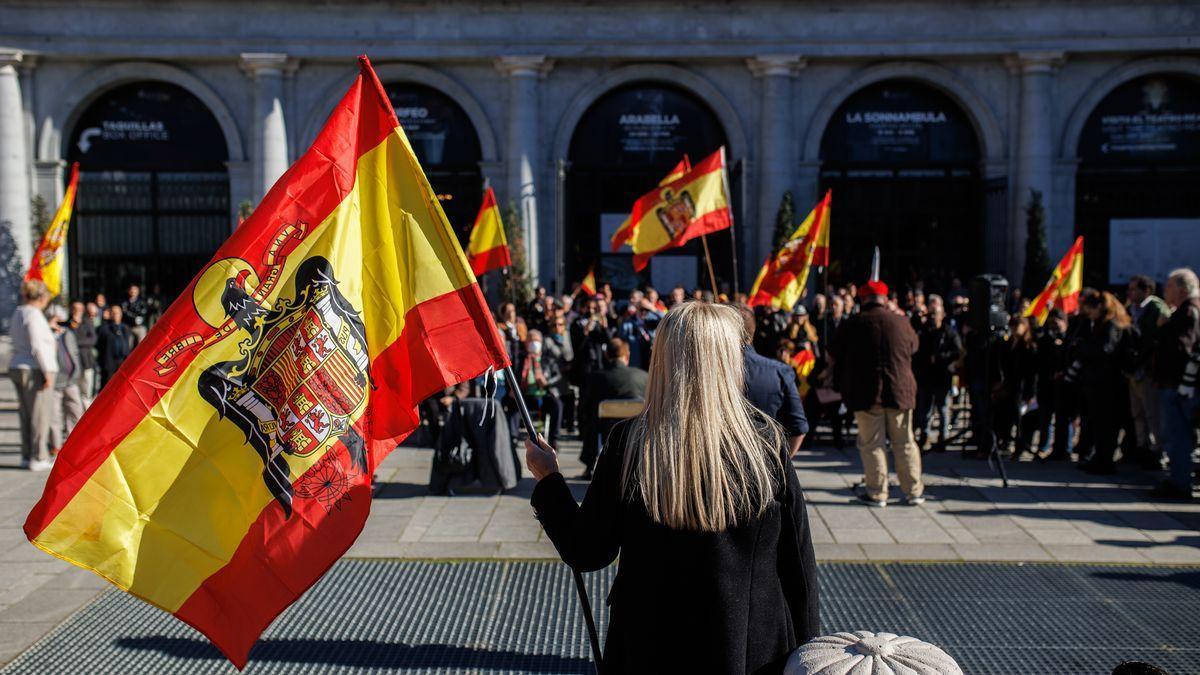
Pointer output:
228, 463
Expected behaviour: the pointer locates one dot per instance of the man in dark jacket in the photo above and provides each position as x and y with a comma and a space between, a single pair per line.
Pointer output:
1145, 308
618, 380
1176, 363
939, 349
115, 342
771, 387
872, 357
1054, 403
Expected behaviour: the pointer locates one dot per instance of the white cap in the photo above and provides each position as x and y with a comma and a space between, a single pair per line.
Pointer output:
864, 653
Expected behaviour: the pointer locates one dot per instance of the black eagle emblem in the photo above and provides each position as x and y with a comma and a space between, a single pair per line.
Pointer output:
301, 380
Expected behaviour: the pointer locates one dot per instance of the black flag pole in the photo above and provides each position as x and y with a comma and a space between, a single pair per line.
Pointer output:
580, 588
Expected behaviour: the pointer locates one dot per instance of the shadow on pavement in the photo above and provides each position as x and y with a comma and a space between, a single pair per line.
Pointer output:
362, 653
1188, 578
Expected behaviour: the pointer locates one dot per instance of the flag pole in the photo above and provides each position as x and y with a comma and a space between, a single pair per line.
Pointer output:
729, 205
708, 259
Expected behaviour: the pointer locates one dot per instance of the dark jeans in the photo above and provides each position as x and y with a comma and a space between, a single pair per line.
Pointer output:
550, 407
1176, 426
1054, 412
933, 397
1102, 419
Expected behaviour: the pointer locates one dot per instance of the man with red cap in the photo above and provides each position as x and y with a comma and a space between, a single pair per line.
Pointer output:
872, 355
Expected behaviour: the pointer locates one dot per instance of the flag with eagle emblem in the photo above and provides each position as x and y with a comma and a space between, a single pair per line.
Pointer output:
228, 463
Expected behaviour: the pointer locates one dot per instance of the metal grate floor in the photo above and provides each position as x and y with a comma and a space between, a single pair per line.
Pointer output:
506, 617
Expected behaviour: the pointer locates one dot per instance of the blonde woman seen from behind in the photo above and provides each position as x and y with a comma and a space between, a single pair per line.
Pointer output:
698, 498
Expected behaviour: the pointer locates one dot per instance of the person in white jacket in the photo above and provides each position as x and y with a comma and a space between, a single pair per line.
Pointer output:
32, 369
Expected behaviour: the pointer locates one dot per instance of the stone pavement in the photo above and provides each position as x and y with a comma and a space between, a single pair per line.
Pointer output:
1050, 513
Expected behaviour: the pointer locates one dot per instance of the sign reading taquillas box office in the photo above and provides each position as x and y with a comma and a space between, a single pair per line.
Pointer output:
148, 126
1150, 119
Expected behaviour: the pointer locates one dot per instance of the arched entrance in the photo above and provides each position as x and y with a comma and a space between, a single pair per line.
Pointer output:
447, 146
153, 200
1136, 197
622, 147
902, 159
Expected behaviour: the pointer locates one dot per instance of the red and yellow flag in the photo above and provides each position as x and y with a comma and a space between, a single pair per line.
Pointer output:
1062, 291
588, 285
228, 464
803, 362
47, 262
782, 279
488, 248
625, 231
690, 206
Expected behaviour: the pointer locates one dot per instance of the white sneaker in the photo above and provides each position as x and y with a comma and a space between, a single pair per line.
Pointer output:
40, 465
914, 501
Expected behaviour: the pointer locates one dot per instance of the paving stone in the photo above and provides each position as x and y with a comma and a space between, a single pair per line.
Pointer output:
832, 552
1002, 552
1097, 553
910, 552
862, 536
47, 606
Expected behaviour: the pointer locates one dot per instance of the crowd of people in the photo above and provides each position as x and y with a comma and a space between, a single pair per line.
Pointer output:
1110, 384
1114, 382
62, 355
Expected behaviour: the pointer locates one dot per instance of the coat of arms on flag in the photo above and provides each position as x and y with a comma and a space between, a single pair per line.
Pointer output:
301, 379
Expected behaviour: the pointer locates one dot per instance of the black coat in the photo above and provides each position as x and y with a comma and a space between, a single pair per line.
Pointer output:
115, 343
737, 601
939, 348
872, 360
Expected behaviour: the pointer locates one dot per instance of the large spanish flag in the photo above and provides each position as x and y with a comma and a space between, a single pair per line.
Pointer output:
229, 462
488, 248
1062, 291
47, 261
784, 275
625, 231
695, 204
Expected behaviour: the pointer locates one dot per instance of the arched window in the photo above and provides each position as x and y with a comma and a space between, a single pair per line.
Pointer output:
1136, 201
626, 142
902, 159
153, 201
447, 146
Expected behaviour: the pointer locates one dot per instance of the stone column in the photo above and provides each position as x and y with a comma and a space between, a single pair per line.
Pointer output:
776, 141
268, 133
14, 162
521, 186
1035, 146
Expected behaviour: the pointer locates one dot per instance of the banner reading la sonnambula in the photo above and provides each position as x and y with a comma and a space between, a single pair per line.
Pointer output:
228, 464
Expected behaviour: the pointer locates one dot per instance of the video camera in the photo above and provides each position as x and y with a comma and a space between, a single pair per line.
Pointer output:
987, 313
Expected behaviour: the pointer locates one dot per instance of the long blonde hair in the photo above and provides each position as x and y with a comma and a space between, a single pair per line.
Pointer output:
699, 455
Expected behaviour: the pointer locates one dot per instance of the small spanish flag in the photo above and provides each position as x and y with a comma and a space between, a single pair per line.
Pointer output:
488, 248
695, 204
803, 362
47, 262
588, 285
625, 231
1062, 291
782, 279
229, 462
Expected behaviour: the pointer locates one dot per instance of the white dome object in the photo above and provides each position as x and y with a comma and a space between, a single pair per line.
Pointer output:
866, 653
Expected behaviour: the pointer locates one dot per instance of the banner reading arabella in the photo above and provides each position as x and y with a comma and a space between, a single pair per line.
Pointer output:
229, 462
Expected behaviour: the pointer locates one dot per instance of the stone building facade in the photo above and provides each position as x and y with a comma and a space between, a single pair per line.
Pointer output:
931, 121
